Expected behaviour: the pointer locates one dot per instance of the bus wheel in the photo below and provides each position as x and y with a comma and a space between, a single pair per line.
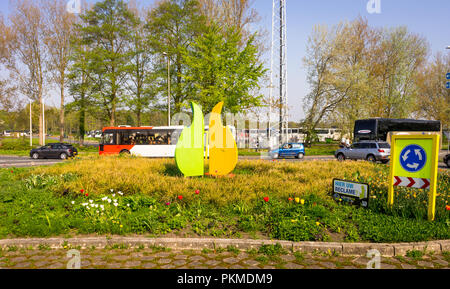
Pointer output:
125, 153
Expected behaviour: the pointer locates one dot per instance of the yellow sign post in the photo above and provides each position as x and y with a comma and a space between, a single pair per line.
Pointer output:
414, 164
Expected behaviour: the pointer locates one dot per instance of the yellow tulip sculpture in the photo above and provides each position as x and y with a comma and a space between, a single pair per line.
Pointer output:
223, 152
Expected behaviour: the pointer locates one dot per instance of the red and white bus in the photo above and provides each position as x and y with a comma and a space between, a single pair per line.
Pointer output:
154, 142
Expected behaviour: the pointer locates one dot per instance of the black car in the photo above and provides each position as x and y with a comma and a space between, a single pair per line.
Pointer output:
70, 146
447, 160
53, 151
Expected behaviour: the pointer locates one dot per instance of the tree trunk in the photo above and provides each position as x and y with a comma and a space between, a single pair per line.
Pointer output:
61, 115
82, 130
113, 114
41, 122
138, 116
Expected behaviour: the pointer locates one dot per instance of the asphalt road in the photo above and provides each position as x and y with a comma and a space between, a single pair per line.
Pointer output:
23, 162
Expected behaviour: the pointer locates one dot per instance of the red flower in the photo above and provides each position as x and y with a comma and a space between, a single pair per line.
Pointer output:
180, 197
447, 208
12, 172
82, 191
291, 199
87, 195
197, 192
167, 204
266, 199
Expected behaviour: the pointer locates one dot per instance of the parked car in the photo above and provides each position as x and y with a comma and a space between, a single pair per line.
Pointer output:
296, 150
371, 151
447, 160
70, 146
52, 151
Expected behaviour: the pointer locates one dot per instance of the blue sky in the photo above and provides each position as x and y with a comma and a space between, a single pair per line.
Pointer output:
427, 18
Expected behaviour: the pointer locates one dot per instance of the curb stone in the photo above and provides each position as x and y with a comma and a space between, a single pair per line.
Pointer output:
345, 249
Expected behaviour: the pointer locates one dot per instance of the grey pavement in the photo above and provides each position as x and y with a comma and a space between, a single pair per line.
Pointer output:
22, 162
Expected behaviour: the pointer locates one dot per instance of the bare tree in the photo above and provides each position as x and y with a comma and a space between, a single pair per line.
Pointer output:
7, 99
233, 13
5, 38
28, 54
58, 28
140, 86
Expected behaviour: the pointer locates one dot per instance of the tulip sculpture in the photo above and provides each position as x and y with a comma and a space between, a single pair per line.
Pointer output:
190, 150
223, 152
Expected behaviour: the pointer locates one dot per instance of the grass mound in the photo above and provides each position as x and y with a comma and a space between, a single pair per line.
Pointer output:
161, 179
126, 195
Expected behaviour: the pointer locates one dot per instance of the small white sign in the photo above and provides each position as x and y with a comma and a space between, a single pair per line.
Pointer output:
358, 192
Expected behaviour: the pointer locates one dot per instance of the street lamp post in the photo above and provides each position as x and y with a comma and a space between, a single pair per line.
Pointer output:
31, 124
448, 139
168, 87
43, 123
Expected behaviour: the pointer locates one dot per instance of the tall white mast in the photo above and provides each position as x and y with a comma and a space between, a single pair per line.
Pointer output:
278, 67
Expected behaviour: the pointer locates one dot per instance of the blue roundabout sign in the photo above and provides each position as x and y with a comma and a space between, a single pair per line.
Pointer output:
413, 158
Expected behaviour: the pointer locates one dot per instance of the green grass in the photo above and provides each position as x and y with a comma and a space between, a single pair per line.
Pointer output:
415, 254
21, 146
321, 150
251, 152
314, 150
48, 201
14, 153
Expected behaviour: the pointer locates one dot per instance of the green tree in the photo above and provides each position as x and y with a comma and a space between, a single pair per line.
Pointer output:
433, 101
396, 60
107, 31
80, 88
218, 70
172, 28
81, 81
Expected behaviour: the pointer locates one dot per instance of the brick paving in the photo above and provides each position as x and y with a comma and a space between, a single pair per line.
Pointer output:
161, 258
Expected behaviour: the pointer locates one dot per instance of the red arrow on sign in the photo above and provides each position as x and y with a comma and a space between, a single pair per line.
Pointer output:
426, 184
412, 182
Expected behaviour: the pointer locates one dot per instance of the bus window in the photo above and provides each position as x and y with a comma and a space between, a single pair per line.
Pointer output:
160, 138
124, 138
108, 138
141, 138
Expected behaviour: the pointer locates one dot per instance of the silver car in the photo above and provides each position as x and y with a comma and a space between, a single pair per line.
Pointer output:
370, 151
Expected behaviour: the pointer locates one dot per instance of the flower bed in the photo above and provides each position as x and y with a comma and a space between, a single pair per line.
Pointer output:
278, 200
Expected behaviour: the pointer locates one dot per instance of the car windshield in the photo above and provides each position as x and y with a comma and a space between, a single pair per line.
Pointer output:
384, 146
